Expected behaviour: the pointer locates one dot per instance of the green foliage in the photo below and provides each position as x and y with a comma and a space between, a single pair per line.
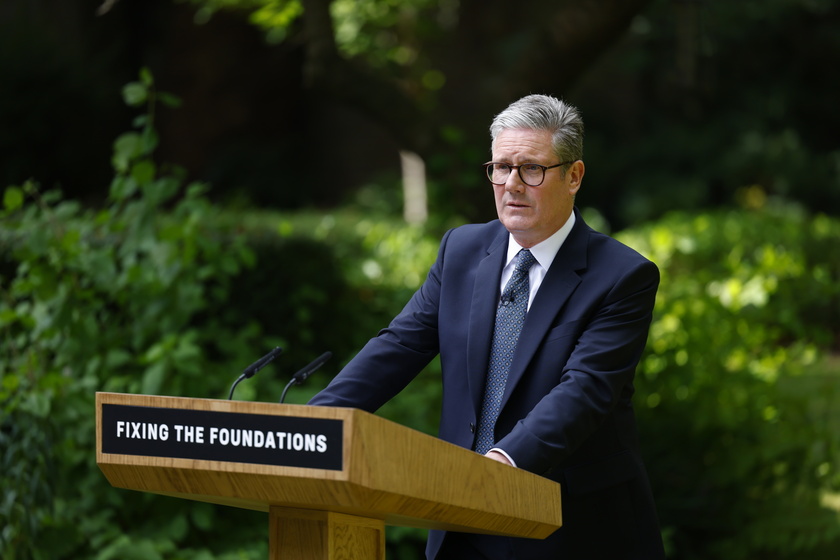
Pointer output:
735, 393
386, 34
275, 17
103, 300
357, 273
719, 115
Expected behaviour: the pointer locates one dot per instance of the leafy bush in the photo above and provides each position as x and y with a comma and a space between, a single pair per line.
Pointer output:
104, 300
734, 389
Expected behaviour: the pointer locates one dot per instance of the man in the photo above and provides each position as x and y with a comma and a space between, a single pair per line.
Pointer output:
539, 322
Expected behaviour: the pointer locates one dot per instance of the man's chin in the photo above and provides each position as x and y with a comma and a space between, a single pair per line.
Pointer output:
516, 224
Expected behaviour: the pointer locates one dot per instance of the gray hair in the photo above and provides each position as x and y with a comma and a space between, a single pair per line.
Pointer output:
543, 112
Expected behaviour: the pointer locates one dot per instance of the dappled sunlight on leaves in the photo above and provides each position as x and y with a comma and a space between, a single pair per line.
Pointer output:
747, 310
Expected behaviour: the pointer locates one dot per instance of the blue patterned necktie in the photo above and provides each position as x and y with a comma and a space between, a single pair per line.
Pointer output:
509, 319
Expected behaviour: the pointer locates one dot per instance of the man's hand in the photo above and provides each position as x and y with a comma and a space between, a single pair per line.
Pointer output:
496, 456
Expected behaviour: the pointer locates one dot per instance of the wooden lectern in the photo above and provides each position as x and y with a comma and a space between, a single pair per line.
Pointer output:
329, 478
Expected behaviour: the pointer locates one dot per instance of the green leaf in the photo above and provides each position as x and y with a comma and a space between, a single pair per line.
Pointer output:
150, 140
153, 378
30, 187
202, 516
126, 548
7, 316
135, 94
13, 198
169, 99
126, 148
122, 188
146, 77
143, 171
37, 404
158, 192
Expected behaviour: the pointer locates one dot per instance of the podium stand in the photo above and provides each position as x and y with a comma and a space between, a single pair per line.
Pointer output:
329, 478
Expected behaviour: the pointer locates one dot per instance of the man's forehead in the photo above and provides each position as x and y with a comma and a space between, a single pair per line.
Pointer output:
521, 140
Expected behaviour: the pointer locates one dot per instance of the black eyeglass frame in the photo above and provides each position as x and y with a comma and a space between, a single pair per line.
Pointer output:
518, 168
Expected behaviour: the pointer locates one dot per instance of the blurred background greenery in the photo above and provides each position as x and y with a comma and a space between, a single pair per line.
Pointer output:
146, 231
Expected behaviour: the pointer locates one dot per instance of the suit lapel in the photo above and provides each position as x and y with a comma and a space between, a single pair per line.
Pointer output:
483, 315
556, 288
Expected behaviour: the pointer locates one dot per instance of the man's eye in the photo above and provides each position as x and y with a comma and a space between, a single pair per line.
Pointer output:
531, 168
501, 167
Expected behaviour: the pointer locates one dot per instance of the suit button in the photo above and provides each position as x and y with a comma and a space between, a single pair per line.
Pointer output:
472, 428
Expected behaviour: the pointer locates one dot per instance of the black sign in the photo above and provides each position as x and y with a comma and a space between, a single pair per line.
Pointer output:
263, 439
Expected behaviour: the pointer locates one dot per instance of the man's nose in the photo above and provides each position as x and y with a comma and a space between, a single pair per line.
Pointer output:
514, 182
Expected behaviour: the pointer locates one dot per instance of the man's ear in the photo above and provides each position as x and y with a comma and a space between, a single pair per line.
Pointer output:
574, 176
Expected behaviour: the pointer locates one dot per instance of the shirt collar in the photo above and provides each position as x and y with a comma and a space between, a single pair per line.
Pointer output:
544, 251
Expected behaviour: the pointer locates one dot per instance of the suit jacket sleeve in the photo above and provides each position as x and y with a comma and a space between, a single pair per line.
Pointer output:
388, 362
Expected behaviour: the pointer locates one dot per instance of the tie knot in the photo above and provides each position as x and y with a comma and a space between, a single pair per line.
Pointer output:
524, 260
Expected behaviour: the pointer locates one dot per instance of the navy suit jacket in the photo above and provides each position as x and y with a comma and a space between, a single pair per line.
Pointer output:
566, 412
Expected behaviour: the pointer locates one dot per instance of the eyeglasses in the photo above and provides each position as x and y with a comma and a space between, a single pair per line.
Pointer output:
532, 174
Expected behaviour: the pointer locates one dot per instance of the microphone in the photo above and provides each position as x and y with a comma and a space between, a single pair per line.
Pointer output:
305, 372
249, 371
